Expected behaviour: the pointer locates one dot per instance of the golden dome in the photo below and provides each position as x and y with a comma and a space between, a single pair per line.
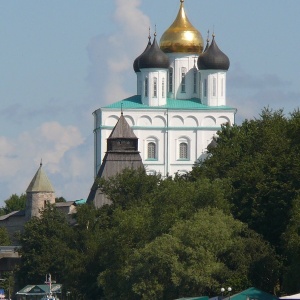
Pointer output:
181, 36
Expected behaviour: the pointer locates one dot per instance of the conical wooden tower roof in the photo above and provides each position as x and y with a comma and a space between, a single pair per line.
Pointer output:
40, 182
122, 130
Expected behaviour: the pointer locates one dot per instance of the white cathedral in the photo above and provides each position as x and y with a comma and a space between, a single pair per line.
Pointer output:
180, 102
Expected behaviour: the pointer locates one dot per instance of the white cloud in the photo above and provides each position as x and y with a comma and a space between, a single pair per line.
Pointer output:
134, 22
251, 94
111, 74
64, 155
67, 156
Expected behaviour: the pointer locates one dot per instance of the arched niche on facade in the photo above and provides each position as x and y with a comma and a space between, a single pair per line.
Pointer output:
111, 120
129, 120
144, 121
159, 121
177, 121
209, 121
223, 120
191, 121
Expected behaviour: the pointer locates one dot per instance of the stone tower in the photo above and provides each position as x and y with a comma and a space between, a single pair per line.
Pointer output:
39, 193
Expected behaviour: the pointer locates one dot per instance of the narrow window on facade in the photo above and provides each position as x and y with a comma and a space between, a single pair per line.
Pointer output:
183, 73
222, 87
146, 87
163, 88
171, 80
151, 150
195, 80
214, 87
200, 85
183, 151
155, 87
205, 87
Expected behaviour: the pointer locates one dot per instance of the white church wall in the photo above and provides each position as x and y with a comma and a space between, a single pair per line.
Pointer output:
213, 87
167, 129
178, 62
156, 87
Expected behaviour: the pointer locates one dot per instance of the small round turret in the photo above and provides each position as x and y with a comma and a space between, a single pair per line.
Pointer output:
213, 58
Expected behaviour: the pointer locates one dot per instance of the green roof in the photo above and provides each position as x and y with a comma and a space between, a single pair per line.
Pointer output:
40, 289
80, 201
195, 298
40, 182
253, 294
135, 102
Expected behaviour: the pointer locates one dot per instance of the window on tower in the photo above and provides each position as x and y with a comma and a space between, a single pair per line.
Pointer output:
205, 87
183, 85
163, 88
170, 80
155, 87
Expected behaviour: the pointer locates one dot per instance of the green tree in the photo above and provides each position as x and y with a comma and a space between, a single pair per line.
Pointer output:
129, 187
260, 160
144, 235
47, 246
198, 256
4, 237
60, 199
14, 203
291, 278
90, 222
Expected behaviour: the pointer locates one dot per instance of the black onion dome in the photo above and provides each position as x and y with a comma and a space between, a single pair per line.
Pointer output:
207, 45
136, 61
213, 58
154, 57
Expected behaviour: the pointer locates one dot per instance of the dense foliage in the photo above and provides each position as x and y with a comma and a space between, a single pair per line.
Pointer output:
233, 221
4, 237
13, 203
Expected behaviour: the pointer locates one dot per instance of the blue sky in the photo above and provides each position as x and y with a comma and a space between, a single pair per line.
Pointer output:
61, 60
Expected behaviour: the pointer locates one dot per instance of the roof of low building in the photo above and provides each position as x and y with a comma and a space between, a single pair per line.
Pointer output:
64, 204
40, 289
252, 294
16, 213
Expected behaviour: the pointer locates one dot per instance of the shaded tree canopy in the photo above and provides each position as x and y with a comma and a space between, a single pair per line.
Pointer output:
13, 203
233, 220
4, 237
261, 160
